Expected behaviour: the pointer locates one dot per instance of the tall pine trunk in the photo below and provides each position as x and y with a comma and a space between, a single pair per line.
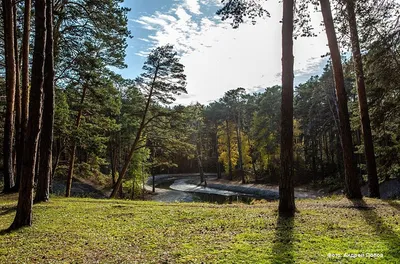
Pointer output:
373, 182
24, 89
73, 148
46, 138
25, 199
286, 190
351, 179
8, 16
18, 102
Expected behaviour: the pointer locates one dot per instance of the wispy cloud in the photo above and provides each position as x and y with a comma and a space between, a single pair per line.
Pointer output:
218, 58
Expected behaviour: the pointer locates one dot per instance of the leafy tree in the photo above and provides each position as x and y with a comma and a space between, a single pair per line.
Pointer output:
163, 79
214, 115
94, 107
265, 132
234, 102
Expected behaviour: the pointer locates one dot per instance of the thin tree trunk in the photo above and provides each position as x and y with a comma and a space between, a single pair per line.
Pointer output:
286, 190
351, 179
253, 159
46, 139
73, 148
118, 184
314, 164
57, 160
25, 200
133, 187
217, 153
143, 188
199, 154
239, 142
113, 161
154, 184
200, 163
321, 157
24, 89
228, 133
8, 16
373, 182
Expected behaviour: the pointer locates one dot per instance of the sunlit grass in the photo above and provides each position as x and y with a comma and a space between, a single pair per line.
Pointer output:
82, 230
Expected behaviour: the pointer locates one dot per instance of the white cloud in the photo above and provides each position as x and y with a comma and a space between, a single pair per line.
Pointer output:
193, 6
143, 39
142, 54
218, 58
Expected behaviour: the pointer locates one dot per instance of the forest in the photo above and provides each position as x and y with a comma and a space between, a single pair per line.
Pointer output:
67, 115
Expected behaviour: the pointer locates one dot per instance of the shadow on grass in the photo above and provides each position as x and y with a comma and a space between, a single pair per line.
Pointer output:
382, 230
283, 251
7, 210
394, 205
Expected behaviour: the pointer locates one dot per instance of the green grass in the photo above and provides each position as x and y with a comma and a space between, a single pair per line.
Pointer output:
82, 230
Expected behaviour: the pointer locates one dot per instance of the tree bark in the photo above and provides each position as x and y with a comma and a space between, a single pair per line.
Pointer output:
24, 89
373, 182
25, 199
286, 190
73, 148
18, 142
352, 182
8, 16
46, 139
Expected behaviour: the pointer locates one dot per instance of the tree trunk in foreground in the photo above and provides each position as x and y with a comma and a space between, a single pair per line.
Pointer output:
46, 138
25, 199
286, 190
351, 179
24, 90
18, 102
8, 16
373, 182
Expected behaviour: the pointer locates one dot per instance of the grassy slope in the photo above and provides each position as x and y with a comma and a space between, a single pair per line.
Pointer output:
109, 231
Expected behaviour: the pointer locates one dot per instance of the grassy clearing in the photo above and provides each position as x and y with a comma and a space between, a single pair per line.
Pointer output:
109, 231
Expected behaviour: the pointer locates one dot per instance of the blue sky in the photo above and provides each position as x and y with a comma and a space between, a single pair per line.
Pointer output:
217, 58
